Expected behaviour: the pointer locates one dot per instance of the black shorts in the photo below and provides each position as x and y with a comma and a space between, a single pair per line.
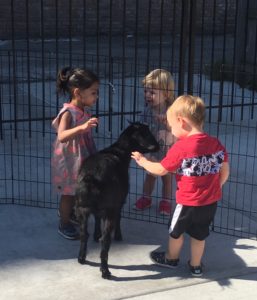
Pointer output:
194, 220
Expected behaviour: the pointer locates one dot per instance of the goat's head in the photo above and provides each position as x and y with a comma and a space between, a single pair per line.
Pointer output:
140, 138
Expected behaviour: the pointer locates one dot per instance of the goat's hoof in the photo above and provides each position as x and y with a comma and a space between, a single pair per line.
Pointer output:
82, 260
106, 274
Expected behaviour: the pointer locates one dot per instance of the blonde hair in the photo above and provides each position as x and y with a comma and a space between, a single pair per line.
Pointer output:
162, 80
190, 107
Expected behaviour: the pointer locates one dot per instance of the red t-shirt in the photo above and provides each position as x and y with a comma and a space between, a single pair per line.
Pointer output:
197, 160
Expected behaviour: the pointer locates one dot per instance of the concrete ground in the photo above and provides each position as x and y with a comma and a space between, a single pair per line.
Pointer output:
37, 263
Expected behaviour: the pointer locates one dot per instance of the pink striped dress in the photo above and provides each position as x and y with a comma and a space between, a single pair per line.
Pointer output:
68, 157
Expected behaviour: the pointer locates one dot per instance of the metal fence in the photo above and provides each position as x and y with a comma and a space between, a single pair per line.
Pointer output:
219, 64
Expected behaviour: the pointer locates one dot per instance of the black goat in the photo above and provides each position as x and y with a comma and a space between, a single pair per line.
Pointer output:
103, 185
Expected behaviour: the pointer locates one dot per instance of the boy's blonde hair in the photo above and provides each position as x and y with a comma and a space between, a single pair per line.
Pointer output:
190, 107
162, 80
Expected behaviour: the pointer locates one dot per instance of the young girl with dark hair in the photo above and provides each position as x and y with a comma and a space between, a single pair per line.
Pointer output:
74, 140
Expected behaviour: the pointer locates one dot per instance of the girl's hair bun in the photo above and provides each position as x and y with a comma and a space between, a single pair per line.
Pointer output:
63, 80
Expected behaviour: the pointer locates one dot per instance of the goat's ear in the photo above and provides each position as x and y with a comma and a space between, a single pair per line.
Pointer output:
130, 122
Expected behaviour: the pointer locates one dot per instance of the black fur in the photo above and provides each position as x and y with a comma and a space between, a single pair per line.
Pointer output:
103, 185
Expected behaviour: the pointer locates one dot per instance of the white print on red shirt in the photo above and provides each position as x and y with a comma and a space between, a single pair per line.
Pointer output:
202, 165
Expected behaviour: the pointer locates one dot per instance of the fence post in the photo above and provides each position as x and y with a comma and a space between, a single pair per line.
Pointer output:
183, 45
191, 48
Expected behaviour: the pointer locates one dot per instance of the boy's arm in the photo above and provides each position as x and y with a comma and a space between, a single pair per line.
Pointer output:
224, 173
153, 167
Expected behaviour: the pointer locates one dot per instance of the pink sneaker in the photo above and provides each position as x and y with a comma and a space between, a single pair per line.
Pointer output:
143, 203
165, 207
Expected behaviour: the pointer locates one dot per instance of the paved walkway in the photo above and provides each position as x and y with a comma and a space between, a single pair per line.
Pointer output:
37, 263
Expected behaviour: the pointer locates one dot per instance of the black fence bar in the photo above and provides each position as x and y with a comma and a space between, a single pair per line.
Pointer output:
243, 68
28, 63
11, 121
161, 34
173, 37
57, 49
123, 66
110, 72
109, 114
254, 71
234, 61
42, 16
212, 57
1, 98
149, 15
97, 46
191, 46
183, 45
201, 48
98, 35
1, 105
223, 64
135, 58
84, 22
14, 67
70, 33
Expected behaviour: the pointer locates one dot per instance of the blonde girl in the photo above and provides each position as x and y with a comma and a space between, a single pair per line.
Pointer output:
158, 95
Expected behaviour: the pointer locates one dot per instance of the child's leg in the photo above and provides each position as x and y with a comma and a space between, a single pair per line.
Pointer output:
197, 250
170, 259
165, 203
67, 203
167, 186
148, 185
145, 201
174, 247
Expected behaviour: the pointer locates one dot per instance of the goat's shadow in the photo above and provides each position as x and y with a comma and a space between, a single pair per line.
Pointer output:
160, 273
36, 238
182, 272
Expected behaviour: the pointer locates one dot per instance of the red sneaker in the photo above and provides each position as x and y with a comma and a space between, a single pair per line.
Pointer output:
143, 203
165, 207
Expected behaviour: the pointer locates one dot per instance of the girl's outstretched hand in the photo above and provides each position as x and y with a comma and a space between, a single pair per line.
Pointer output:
92, 122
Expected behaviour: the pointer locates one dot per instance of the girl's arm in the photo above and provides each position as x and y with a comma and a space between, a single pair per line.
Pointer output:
162, 119
224, 173
153, 167
65, 133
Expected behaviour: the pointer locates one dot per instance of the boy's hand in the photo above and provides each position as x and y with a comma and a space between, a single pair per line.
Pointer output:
153, 167
138, 157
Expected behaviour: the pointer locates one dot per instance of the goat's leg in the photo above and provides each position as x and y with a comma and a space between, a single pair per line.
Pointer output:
97, 232
106, 243
117, 232
83, 215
